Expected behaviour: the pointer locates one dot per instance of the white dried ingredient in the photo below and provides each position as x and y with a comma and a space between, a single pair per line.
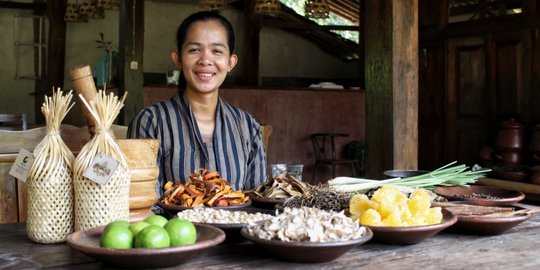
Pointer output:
308, 224
210, 215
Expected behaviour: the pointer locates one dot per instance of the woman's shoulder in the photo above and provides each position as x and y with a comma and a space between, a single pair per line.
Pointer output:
235, 111
162, 106
242, 118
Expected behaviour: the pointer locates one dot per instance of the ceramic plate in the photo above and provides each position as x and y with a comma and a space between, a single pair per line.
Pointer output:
232, 230
173, 209
481, 195
87, 242
486, 225
265, 203
307, 252
408, 235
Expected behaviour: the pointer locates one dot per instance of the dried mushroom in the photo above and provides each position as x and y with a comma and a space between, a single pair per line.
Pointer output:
280, 187
308, 224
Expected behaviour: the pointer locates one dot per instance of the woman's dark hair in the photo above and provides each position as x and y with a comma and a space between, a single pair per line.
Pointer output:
190, 20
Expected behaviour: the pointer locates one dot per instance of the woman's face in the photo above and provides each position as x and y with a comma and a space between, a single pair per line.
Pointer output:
205, 57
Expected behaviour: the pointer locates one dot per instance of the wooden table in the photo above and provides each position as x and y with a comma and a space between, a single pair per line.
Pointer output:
517, 248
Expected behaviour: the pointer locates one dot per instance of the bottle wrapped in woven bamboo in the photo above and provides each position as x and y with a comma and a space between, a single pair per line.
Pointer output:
50, 187
97, 204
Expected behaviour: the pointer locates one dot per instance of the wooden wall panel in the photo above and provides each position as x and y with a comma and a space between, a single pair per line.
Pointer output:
535, 77
508, 74
294, 114
468, 100
431, 106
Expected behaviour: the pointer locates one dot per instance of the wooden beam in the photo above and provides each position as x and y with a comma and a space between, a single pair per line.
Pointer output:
253, 24
474, 28
346, 9
130, 71
307, 26
18, 5
391, 55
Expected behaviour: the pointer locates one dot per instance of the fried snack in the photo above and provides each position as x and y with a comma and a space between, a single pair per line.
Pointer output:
202, 187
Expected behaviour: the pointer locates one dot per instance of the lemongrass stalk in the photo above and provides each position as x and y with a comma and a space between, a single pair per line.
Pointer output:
443, 176
343, 180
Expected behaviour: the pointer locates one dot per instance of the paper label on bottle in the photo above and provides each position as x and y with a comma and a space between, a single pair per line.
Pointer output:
101, 169
21, 166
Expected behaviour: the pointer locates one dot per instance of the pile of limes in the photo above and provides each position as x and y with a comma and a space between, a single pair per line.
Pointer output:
153, 232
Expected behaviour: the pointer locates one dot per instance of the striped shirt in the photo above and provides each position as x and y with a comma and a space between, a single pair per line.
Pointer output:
236, 151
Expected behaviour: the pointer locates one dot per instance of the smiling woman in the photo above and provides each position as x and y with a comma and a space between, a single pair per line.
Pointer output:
195, 127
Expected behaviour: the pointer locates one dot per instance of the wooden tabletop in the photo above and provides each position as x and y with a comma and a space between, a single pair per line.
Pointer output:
517, 248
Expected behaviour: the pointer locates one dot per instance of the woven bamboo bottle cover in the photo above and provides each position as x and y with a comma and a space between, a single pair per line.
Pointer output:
97, 204
50, 192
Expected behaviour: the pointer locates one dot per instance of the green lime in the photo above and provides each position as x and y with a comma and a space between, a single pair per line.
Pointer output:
118, 237
138, 226
181, 232
156, 220
152, 236
117, 223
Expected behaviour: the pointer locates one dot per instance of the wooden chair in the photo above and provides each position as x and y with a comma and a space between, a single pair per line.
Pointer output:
324, 149
266, 131
16, 121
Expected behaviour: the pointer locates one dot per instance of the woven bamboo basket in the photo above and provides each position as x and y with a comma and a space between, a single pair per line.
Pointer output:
96, 204
50, 189
142, 159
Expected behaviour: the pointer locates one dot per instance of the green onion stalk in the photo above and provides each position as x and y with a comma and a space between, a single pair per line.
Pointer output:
447, 175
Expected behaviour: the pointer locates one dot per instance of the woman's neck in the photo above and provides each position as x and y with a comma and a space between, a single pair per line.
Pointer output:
204, 108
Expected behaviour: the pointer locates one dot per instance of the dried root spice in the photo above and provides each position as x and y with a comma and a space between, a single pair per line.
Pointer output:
320, 197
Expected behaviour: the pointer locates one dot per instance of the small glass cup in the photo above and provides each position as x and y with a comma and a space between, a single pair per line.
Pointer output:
278, 169
295, 171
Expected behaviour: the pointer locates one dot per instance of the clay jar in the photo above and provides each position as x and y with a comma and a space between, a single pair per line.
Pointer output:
534, 144
510, 136
535, 175
514, 157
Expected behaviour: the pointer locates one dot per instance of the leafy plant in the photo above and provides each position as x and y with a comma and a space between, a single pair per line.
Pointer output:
105, 45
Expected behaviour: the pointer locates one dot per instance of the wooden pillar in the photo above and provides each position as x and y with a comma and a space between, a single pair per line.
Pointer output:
530, 7
56, 54
361, 46
391, 55
130, 71
252, 30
